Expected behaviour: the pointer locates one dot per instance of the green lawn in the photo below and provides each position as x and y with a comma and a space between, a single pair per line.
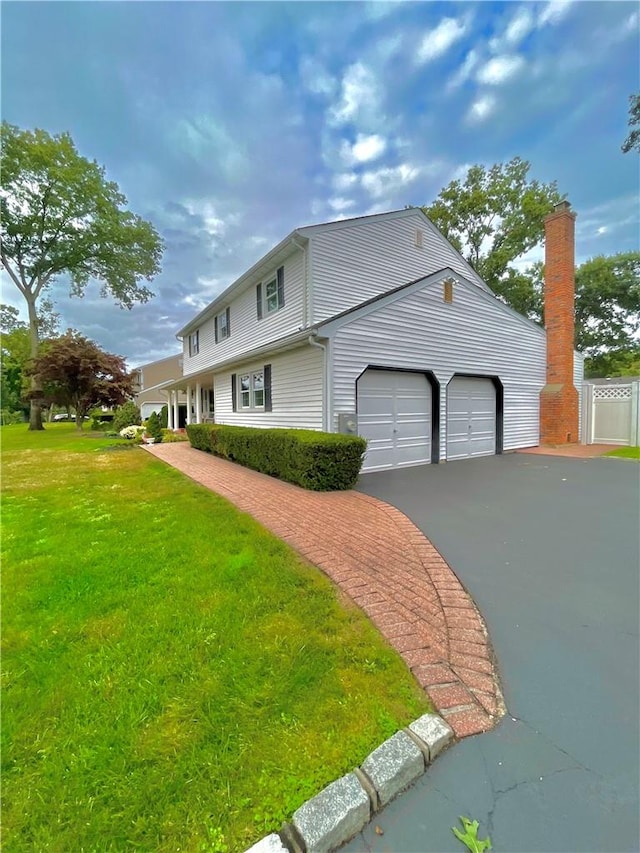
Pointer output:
625, 453
174, 677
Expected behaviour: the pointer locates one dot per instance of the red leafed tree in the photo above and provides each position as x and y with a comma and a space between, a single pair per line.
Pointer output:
76, 373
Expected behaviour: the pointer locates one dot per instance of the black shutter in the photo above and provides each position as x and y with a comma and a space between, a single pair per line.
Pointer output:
228, 322
234, 401
267, 388
215, 325
259, 300
280, 275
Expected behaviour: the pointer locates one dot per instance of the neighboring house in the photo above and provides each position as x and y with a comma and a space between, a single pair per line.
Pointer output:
150, 384
377, 325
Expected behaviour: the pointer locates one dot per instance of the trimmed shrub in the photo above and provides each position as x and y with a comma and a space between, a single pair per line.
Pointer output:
154, 430
319, 461
164, 417
126, 415
169, 436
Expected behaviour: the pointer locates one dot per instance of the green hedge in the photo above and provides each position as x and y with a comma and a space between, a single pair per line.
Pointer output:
320, 461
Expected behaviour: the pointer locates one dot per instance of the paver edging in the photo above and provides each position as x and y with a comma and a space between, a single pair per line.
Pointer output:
343, 808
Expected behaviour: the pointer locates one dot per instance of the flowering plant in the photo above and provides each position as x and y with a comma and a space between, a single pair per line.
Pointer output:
133, 431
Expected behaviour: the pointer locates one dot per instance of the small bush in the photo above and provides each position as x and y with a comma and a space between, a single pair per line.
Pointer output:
154, 430
126, 415
164, 417
133, 431
314, 460
169, 436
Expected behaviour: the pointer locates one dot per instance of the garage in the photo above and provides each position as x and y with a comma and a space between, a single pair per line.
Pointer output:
471, 417
395, 416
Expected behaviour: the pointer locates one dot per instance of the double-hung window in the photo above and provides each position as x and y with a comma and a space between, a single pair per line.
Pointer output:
194, 342
252, 390
270, 294
222, 324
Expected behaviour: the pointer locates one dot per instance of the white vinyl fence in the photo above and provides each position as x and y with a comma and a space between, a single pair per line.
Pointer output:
611, 414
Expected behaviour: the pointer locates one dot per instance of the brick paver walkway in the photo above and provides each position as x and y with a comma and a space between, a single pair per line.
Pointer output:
577, 451
383, 562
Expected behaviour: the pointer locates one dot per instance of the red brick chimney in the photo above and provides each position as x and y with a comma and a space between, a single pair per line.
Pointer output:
559, 398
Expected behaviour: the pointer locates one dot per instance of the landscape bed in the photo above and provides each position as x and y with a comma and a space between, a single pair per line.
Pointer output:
174, 677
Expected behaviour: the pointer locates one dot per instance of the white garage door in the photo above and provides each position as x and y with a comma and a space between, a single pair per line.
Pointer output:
147, 408
471, 417
394, 415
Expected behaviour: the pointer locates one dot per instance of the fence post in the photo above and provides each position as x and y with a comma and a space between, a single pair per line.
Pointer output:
634, 437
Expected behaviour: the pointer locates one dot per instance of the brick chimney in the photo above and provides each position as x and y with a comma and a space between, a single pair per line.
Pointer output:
559, 398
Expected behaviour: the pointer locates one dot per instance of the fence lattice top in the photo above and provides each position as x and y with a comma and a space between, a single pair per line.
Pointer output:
612, 392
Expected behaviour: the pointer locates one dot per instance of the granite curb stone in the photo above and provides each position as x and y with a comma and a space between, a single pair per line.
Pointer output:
433, 731
393, 766
343, 808
334, 815
269, 844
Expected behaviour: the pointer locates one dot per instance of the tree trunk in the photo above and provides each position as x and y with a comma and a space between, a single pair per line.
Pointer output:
79, 421
35, 416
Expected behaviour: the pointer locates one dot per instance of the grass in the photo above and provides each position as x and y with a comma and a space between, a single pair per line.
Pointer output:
174, 677
625, 453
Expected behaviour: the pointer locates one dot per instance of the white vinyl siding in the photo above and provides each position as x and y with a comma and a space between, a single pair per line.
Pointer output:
363, 259
475, 334
296, 391
247, 332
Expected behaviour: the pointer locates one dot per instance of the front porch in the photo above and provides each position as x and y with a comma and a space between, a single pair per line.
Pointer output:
200, 406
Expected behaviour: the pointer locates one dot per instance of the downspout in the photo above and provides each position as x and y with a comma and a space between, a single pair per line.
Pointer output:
325, 381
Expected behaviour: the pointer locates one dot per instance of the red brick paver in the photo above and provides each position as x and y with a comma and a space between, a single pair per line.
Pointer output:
577, 451
380, 559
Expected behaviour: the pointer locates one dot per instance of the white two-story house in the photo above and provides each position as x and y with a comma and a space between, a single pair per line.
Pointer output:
374, 325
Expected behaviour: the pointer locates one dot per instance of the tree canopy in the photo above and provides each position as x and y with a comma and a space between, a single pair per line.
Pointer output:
633, 139
494, 217
61, 216
76, 373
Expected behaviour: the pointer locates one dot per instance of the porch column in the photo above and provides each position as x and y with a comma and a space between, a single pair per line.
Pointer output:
170, 409
188, 404
176, 414
198, 403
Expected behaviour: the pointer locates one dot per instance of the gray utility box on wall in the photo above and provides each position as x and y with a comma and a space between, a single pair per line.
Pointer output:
348, 423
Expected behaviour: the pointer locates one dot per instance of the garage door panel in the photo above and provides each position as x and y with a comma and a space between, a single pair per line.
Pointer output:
471, 418
394, 415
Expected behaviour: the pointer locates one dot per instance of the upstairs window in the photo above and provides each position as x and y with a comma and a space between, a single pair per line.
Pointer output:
223, 325
270, 294
194, 342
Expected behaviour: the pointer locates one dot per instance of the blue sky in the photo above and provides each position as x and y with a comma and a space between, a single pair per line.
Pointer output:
229, 124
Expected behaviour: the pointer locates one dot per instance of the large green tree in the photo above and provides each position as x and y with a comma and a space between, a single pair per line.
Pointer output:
632, 142
61, 216
607, 310
493, 217
77, 374
15, 353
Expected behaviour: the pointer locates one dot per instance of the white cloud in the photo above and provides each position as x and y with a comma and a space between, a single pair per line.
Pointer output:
519, 26
340, 204
481, 109
315, 78
499, 69
383, 181
358, 91
364, 149
439, 40
464, 71
343, 180
554, 12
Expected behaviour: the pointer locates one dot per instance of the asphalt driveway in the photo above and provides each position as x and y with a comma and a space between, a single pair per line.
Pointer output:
550, 550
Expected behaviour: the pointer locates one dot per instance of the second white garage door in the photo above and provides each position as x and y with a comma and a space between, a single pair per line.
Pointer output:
394, 415
471, 417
